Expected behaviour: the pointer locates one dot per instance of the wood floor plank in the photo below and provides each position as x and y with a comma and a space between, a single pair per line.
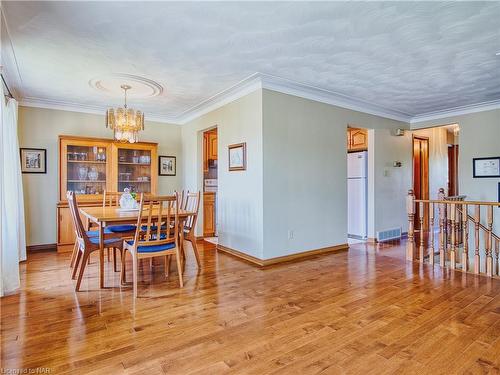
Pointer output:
366, 311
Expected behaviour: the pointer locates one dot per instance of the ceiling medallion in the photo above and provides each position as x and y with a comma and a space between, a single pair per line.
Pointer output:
125, 122
143, 87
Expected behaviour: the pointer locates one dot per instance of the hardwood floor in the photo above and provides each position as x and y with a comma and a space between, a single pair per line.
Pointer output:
362, 312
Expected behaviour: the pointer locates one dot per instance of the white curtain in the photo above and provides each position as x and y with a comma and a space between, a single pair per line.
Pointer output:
12, 237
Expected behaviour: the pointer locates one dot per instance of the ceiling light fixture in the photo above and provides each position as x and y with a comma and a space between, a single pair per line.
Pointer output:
497, 54
125, 122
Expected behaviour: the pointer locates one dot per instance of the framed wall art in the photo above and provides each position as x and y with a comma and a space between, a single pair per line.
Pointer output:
486, 167
238, 157
167, 165
33, 160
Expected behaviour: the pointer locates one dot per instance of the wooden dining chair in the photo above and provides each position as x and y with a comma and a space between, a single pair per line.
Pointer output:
112, 199
86, 243
192, 204
152, 240
180, 198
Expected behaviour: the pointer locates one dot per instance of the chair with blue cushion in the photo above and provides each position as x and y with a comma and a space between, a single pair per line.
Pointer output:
151, 240
86, 243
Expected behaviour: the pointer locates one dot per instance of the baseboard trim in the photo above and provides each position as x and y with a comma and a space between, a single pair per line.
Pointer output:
286, 258
43, 247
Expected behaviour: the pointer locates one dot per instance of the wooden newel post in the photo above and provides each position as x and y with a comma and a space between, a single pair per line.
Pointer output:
410, 209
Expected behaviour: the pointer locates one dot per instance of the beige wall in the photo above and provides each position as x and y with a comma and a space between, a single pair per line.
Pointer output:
239, 195
305, 169
39, 128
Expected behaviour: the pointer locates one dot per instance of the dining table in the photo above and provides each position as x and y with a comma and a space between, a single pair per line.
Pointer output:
106, 216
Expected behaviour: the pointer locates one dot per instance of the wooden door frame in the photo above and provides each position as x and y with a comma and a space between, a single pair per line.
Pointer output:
413, 159
202, 195
426, 186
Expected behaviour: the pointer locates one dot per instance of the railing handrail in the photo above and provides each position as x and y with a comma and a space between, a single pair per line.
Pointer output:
453, 218
460, 203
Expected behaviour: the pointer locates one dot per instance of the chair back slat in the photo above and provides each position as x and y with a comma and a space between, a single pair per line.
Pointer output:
112, 198
180, 199
192, 204
155, 210
75, 215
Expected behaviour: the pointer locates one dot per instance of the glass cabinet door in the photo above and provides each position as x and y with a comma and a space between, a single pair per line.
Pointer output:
86, 169
134, 170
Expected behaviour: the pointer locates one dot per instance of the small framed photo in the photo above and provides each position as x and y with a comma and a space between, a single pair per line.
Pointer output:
238, 157
486, 167
167, 165
33, 160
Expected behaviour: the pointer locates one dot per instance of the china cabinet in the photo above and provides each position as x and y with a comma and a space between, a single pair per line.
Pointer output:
88, 166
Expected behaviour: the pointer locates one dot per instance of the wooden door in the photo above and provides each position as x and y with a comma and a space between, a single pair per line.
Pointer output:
452, 170
421, 175
208, 214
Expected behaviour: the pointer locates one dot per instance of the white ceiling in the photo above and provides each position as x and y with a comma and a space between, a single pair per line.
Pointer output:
409, 57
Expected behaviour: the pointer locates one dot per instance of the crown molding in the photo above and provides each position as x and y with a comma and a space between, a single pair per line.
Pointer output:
265, 81
456, 111
290, 87
240, 89
84, 108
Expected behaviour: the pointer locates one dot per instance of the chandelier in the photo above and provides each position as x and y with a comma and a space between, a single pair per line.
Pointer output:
125, 122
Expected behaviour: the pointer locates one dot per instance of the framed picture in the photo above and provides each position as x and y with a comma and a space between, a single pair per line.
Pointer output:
33, 160
167, 165
238, 157
486, 167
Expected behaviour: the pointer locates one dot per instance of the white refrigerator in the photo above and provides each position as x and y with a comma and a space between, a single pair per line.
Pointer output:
357, 186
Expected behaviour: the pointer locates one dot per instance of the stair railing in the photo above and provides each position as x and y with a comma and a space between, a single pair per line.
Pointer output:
453, 220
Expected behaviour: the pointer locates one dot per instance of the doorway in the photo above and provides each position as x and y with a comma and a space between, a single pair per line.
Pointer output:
421, 175
452, 170
357, 184
210, 185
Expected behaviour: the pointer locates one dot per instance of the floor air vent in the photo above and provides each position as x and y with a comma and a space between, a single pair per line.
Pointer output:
387, 235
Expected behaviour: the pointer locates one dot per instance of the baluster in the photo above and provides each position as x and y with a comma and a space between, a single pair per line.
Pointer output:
421, 217
497, 251
489, 242
410, 208
453, 249
442, 216
477, 218
431, 220
465, 238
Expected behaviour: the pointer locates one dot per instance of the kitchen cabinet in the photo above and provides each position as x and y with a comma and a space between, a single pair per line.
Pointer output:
212, 145
357, 139
208, 214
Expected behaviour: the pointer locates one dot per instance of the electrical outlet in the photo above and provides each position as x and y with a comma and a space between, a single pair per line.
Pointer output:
290, 234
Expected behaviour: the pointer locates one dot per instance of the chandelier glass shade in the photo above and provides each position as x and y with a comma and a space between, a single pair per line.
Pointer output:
125, 122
